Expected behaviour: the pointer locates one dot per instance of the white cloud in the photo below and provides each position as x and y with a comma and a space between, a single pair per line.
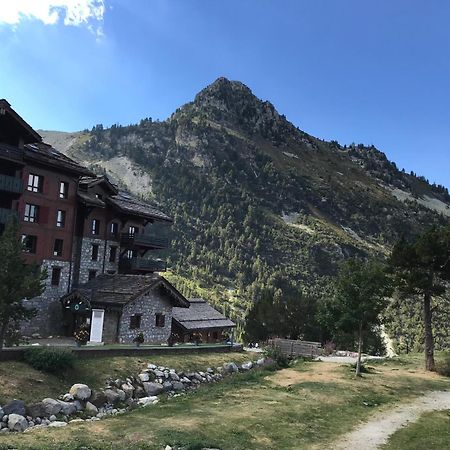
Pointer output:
72, 12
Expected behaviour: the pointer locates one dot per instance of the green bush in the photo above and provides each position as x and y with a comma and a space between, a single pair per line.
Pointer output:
50, 360
443, 367
274, 352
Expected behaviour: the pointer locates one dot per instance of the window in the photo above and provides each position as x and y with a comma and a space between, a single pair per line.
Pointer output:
131, 254
92, 274
112, 254
35, 182
58, 247
60, 218
94, 253
133, 230
114, 230
31, 213
135, 321
29, 243
95, 226
160, 320
56, 276
63, 189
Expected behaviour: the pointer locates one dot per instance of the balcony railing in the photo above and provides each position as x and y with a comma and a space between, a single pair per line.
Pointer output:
143, 240
138, 264
11, 184
6, 215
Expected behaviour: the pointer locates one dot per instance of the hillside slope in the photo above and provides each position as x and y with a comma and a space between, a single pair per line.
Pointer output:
257, 202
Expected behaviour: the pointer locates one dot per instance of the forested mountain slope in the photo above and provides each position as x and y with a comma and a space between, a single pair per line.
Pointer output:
258, 204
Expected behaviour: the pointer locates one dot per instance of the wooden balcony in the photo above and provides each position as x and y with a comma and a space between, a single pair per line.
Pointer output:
13, 185
141, 265
6, 215
128, 240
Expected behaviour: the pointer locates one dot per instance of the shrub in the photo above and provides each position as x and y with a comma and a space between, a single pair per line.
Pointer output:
443, 367
274, 352
49, 359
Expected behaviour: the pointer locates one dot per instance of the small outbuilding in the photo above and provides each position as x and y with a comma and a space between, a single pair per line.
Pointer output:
200, 323
116, 308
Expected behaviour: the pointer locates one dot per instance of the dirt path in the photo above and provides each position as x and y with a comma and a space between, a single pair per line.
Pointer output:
373, 434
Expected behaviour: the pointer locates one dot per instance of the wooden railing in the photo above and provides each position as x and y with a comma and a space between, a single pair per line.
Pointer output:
142, 265
292, 348
143, 240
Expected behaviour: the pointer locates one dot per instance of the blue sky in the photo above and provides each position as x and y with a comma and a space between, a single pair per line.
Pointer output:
351, 70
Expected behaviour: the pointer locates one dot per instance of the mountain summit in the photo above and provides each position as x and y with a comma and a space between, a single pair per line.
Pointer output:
259, 204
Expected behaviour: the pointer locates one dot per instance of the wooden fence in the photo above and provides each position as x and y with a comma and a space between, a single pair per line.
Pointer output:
293, 348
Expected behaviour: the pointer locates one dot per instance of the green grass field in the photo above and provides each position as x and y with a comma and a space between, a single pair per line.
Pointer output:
306, 406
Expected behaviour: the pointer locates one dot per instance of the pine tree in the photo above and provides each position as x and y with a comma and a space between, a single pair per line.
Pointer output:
18, 281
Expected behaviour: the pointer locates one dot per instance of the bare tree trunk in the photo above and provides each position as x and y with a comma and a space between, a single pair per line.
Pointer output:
358, 362
429, 340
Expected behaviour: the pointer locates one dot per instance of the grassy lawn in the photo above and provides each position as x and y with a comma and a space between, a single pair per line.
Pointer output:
19, 380
431, 432
304, 407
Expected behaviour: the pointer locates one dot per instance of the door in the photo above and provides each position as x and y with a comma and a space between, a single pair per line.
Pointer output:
97, 325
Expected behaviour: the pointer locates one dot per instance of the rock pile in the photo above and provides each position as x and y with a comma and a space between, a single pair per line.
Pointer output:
82, 403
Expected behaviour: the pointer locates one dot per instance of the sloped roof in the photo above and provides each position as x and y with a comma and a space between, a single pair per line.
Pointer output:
46, 154
200, 315
128, 204
118, 290
101, 179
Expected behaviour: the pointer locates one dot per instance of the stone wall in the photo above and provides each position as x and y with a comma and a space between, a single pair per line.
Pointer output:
48, 320
148, 306
102, 264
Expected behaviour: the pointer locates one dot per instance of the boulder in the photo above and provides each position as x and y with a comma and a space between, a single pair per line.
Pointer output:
98, 398
112, 396
36, 410
260, 361
230, 367
151, 366
153, 388
68, 398
121, 394
144, 377
14, 407
174, 377
78, 405
139, 392
178, 386
2, 413
52, 418
51, 406
80, 391
145, 401
167, 385
91, 409
68, 408
17, 422
128, 389
247, 366
57, 424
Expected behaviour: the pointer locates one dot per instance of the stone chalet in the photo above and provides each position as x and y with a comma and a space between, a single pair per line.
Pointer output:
96, 242
200, 322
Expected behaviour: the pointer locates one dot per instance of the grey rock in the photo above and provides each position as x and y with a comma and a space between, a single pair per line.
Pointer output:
91, 409
128, 389
178, 386
57, 424
68, 408
36, 410
167, 385
98, 398
139, 392
174, 377
68, 398
247, 366
159, 373
121, 394
144, 377
260, 361
51, 406
78, 405
14, 407
80, 391
52, 418
2, 413
17, 422
4, 430
153, 388
151, 366
146, 401
230, 367
210, 370
112, 396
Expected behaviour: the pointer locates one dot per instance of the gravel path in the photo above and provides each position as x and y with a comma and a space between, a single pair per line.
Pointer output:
373, 434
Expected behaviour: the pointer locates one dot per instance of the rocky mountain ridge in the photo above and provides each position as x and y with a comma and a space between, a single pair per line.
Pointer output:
256, 201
